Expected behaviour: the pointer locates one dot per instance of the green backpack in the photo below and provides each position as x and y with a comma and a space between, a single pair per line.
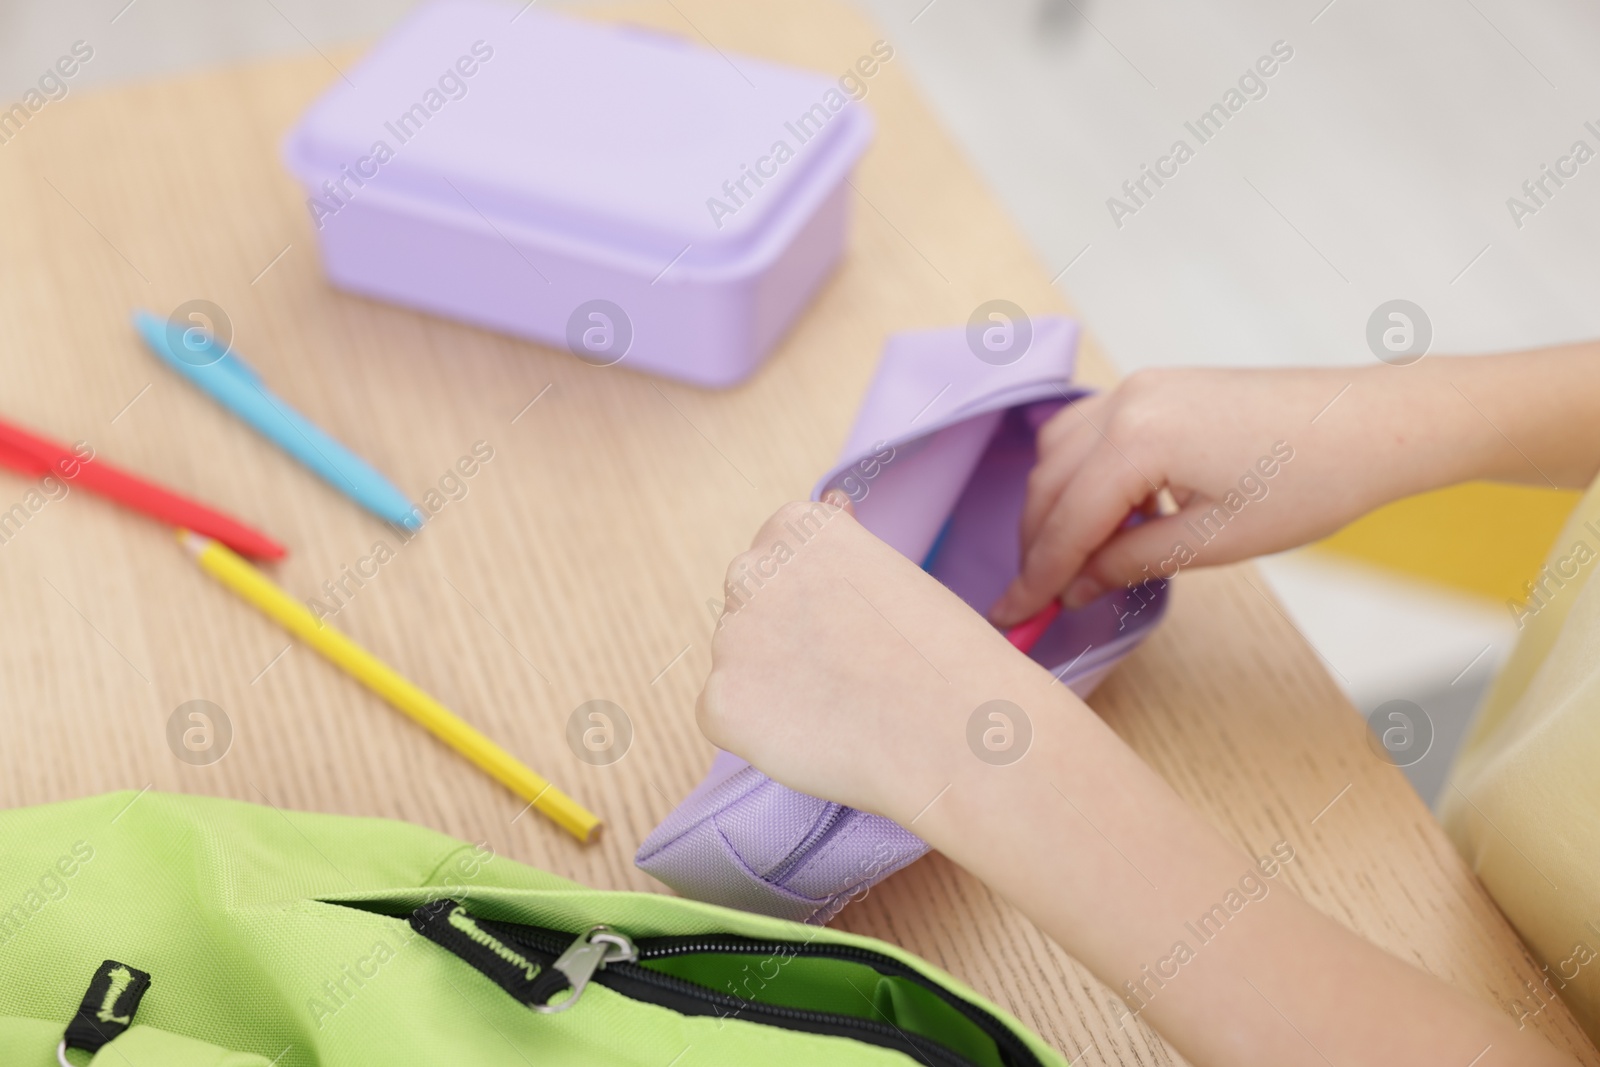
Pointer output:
153, 930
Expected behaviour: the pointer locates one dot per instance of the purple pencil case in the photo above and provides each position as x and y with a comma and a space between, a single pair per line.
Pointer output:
940, 452
625, 194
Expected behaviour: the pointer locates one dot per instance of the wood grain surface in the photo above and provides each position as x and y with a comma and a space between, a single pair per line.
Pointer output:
579, 561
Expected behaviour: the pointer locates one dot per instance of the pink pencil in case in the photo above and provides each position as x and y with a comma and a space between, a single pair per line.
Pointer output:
1025, 635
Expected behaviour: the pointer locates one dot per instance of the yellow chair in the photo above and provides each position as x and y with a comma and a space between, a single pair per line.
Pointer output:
1483, 538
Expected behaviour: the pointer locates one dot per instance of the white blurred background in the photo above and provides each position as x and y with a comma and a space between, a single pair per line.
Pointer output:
1376, 167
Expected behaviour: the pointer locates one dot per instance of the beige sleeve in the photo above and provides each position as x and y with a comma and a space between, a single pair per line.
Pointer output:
1523, 801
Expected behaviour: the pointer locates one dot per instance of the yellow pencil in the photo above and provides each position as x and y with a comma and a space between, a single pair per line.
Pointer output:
222, 564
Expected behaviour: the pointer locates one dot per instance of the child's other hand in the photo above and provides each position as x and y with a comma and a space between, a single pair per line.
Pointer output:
1249, 469
842, 670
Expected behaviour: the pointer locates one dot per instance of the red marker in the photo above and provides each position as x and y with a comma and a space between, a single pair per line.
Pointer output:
1025, 635
24, 452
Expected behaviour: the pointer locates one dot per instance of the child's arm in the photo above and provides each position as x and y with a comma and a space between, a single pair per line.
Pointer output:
850, 674
1355, 439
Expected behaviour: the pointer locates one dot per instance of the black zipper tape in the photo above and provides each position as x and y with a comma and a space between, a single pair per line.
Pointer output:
446, 923
1013, 1051
689, 998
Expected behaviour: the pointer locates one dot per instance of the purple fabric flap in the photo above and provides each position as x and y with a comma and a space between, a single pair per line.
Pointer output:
942, 446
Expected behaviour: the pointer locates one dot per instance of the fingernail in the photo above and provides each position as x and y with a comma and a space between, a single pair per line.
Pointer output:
1079, 592
1004, 614
836, 498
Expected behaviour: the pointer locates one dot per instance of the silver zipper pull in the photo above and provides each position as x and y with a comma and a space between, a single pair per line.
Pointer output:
591, 952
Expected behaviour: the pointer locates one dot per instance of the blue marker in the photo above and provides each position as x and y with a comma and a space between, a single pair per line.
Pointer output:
234, 384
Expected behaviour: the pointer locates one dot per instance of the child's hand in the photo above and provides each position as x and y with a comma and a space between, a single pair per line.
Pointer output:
842, 670
1251, 464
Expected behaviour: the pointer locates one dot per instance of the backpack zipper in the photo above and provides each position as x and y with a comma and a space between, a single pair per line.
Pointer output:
595, 949
610, 963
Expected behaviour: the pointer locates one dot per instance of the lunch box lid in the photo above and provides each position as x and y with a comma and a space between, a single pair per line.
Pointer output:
615, 138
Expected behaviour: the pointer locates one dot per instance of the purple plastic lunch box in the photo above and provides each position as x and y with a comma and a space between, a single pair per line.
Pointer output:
614, 190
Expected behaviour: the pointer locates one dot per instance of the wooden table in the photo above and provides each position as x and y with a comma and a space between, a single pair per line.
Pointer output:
580, 560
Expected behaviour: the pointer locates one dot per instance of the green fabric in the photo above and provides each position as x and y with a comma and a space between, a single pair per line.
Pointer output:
243, 915
816, 984
144, 1045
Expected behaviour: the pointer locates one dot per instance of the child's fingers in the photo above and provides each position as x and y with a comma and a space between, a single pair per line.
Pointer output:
1062, 445
801, 518
1045, 485
1132, 555
1088, 511
1075, 416
1158, 549
1049, 479
840, 499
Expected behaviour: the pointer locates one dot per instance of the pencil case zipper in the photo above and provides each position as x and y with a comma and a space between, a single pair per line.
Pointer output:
823, 830
605, 956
